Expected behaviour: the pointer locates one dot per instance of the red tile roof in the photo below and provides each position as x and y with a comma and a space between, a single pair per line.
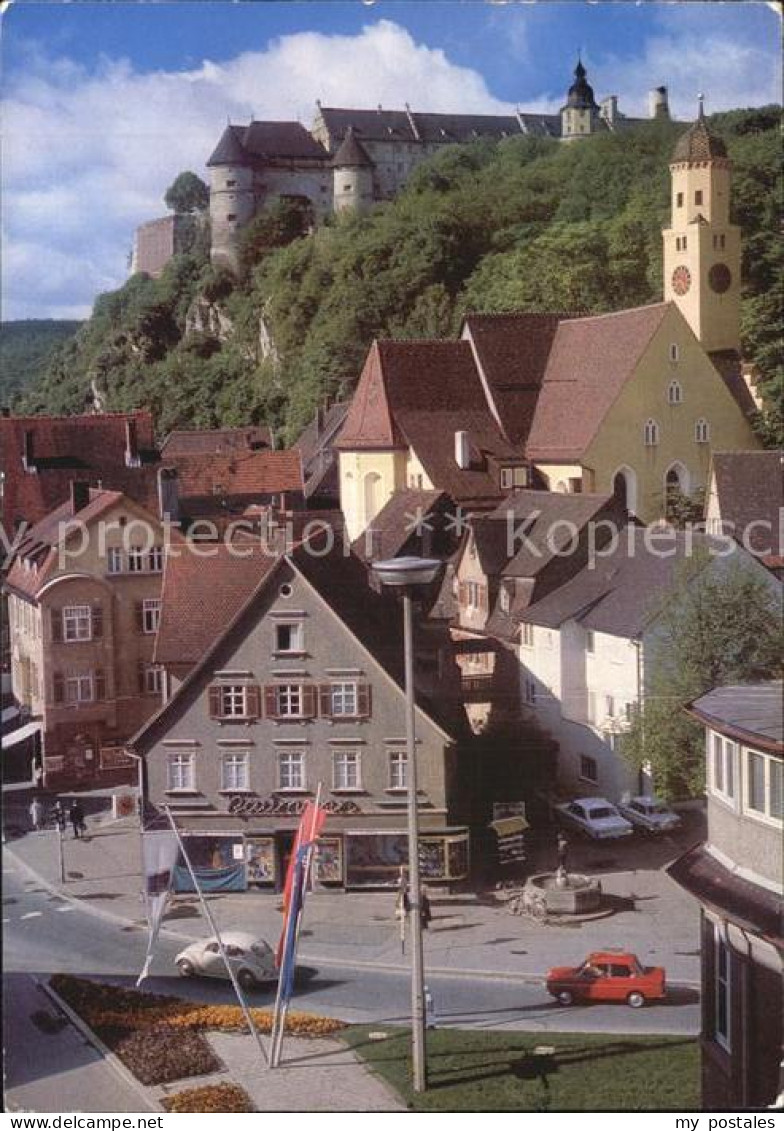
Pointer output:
201, 595
246, 474
215, 441
90, 448
590, 361
369, 423
750, 489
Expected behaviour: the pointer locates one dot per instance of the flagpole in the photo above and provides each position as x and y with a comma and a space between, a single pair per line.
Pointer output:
277, 1044
213, 927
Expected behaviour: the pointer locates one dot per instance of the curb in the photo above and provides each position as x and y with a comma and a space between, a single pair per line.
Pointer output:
305, 957
114, 1063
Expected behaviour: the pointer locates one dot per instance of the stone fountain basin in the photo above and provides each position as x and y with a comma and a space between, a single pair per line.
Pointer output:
580, 896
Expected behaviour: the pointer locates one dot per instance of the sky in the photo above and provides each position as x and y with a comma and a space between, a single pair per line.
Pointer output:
103, 104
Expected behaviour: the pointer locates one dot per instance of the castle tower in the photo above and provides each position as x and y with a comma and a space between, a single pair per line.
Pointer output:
702, 247
353, 181
232, 200
581, 110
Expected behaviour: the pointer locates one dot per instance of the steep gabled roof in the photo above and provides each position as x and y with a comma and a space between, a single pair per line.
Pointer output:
590, 361
512, 351
750, 489
547, 520
398, 523
215, 441
239, 474
369, 421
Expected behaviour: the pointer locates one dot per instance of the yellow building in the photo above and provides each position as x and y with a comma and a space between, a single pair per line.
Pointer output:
630, 403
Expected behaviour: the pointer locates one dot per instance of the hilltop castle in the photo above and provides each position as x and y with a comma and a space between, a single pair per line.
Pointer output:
351, 158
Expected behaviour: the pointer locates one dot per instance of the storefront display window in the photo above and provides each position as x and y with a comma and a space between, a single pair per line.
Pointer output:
328, 862
260, 860
218, 862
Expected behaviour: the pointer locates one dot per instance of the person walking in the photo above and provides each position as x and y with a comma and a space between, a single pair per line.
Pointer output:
36, 814
59, 815
76, 816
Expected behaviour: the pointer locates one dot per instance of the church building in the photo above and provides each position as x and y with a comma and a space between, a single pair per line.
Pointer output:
630, 403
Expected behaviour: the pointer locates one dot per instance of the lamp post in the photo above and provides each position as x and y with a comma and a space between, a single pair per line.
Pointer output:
407, 575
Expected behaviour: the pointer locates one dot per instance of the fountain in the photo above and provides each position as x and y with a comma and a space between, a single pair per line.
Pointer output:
564, 893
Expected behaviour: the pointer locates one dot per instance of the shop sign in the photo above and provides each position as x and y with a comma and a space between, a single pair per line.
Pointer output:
241, 806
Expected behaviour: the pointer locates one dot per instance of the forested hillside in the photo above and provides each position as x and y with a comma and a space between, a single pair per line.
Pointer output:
521, 224
25, 347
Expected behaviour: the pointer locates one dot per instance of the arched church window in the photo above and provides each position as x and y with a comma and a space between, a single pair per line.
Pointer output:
702, 431
674, 392
651, 433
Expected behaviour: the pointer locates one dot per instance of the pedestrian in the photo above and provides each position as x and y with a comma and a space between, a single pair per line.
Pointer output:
425, 914
76, 816
59, 815
36, 814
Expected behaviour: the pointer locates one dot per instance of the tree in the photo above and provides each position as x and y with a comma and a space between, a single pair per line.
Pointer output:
719, 625
187, 193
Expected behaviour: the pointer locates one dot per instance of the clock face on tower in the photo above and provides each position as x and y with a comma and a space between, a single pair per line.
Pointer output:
719, 278
681, 280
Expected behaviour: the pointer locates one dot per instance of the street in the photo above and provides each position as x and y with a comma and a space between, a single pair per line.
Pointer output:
45, 934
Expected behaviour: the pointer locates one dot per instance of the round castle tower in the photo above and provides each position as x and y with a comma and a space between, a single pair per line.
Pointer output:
232, 198
353, 179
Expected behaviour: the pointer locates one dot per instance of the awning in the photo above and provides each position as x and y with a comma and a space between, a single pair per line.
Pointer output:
14, 737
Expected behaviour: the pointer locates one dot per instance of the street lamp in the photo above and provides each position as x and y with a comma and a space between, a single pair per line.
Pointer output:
409, 574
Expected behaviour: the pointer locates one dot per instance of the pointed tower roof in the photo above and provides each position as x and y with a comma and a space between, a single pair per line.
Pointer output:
698, 143
580, 93
229, 150
370, 422
351, 153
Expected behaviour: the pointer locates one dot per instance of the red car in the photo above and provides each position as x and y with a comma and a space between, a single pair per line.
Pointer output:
607, 975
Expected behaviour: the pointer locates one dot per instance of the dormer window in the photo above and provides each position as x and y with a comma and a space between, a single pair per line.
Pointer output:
504, 599
674, 392
651, 433
702, 431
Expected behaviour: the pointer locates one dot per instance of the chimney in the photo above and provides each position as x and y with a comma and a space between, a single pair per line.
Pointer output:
168, 494
80, 496
28, 451
658, 107
132, 457
462, 451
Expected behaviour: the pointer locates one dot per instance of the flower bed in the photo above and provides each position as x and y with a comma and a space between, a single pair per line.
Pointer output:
114, 1012
159, 1054
211, 1098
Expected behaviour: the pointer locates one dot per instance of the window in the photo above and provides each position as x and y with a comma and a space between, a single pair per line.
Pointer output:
181, 774
343, 698
698, 196
114, 559
702, 431
764, 784
651, 433
234, 770
345, 769
474, 594
674, 351
79, 689
528, 635
674, 392
504, 599
679, 200
398, 769
291, 769
151, 679
609, 706
289, 699
231, 216
590, 641
77, 622
529, 690
289, 637
136, 558
155, 559
589, 770
234, 701
230, 184
151, 615
724, 766
513, 477
722, 991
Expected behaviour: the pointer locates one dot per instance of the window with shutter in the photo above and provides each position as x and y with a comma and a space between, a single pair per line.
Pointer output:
58, 687
363, 700
253, 701
309, 700
57, 625
215, 702
325, 700
270, 701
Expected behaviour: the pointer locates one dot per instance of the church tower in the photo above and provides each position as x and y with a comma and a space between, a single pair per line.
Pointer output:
701, 246
579, 115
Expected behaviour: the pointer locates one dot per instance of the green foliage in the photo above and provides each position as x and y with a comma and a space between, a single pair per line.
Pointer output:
25, 349
718, 626
187, 193
524, 223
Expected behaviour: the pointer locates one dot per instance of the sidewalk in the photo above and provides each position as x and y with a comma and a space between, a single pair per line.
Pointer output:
470, 935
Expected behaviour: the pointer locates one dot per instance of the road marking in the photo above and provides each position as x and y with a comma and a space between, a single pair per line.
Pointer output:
32, 915
67, 907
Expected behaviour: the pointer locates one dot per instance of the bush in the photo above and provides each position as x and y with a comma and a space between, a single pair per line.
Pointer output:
211, 1098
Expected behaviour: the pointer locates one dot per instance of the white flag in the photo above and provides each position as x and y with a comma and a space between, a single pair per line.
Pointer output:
159, 853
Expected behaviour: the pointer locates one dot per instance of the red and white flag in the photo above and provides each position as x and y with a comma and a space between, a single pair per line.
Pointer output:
310, 825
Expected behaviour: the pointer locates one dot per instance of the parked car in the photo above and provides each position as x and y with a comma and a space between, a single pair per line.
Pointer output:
607, 975
648, 813
593, 816
252, 959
